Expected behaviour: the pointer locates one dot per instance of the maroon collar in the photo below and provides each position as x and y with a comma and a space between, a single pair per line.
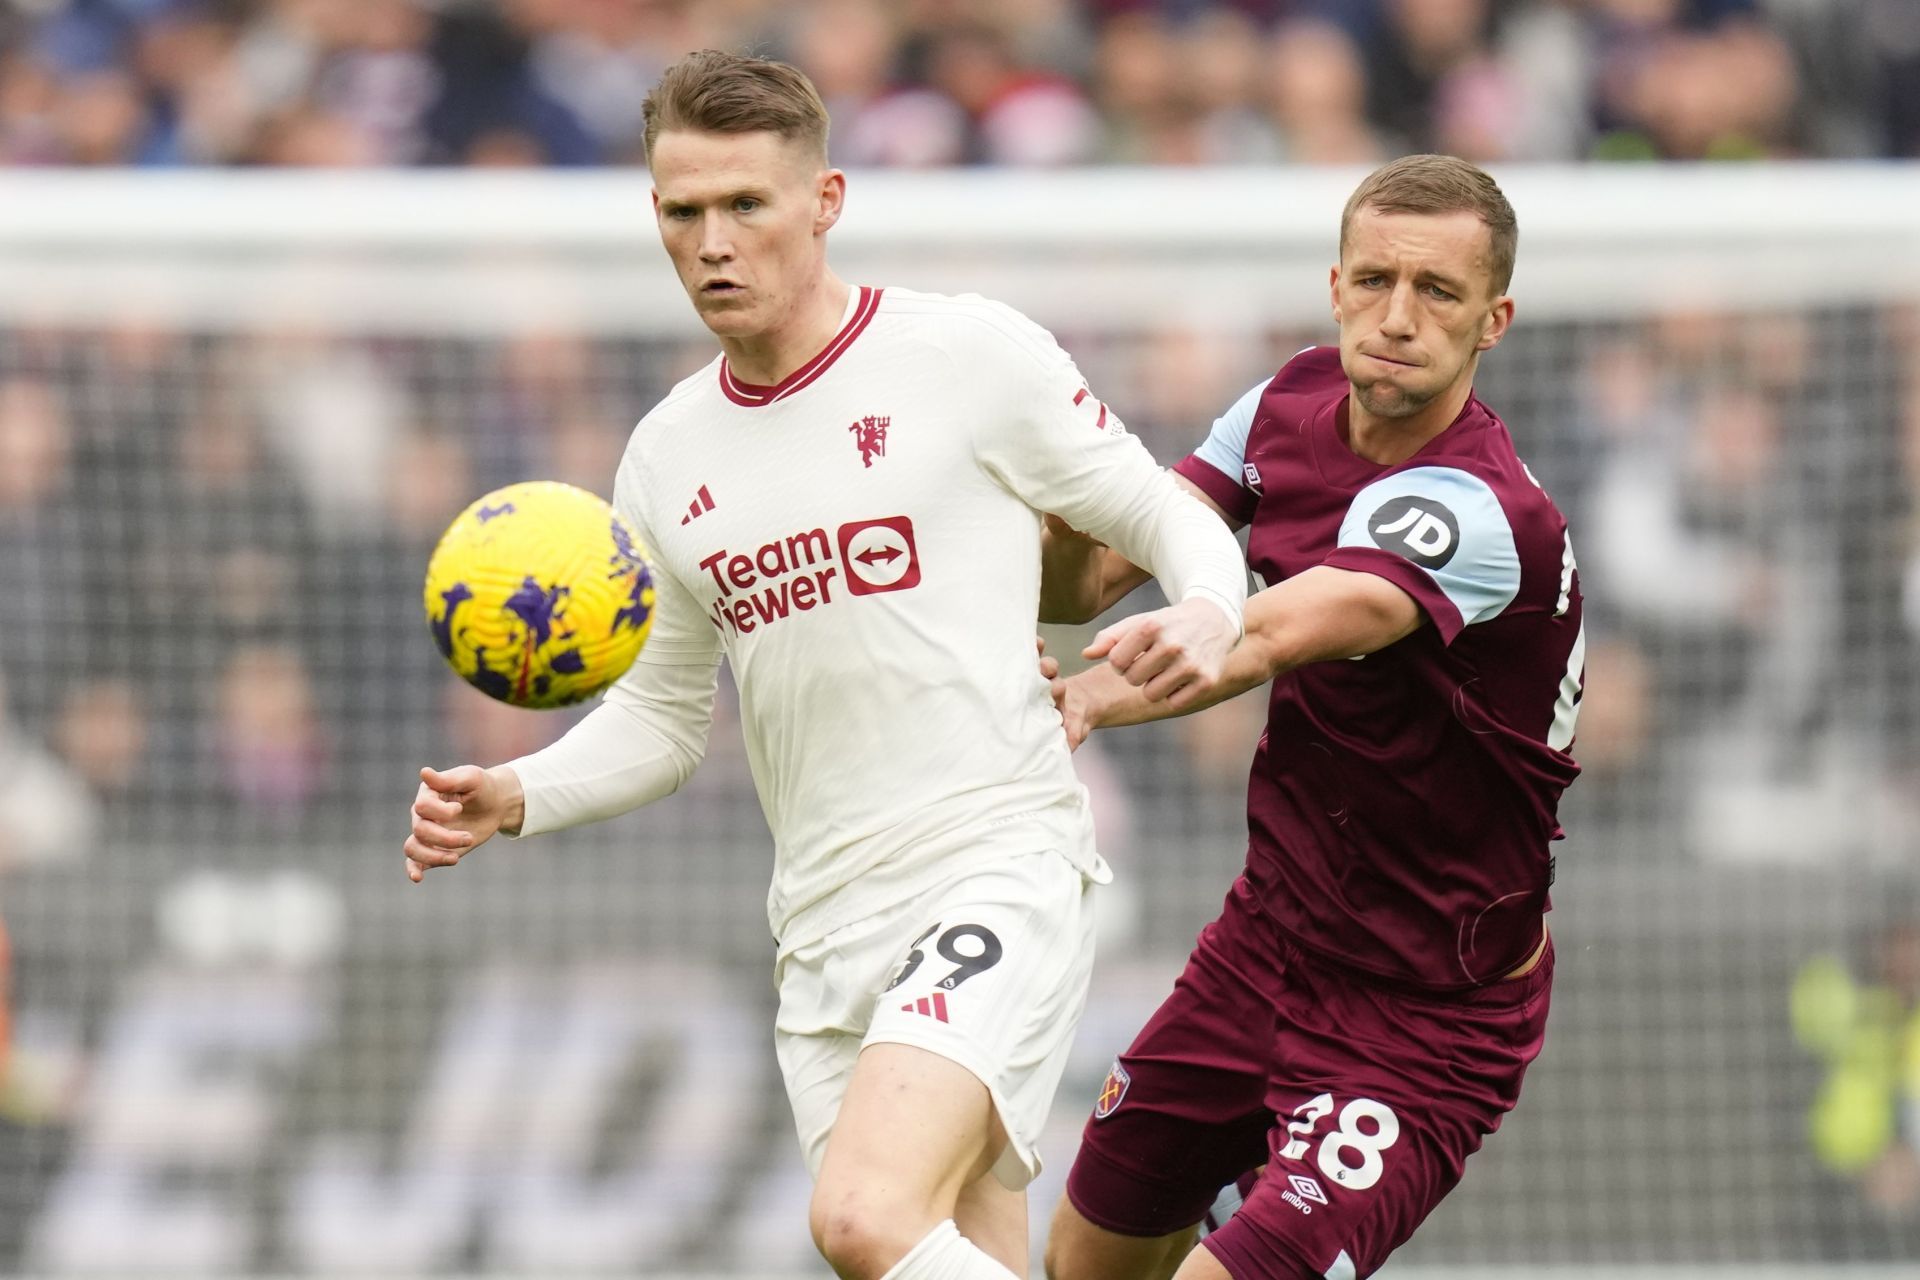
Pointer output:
746, 393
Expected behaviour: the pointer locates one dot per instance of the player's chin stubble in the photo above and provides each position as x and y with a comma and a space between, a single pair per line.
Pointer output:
1385, 400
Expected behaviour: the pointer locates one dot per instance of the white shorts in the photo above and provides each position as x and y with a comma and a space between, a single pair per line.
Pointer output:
988, 970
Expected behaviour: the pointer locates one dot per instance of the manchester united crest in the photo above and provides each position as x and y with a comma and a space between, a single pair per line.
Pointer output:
1112, 1091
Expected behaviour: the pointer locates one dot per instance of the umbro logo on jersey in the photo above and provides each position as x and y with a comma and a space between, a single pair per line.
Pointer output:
1420, 529
702, 503
1252, 476
934, 1006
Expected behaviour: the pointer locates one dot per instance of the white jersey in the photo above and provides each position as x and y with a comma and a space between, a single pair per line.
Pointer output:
862, 543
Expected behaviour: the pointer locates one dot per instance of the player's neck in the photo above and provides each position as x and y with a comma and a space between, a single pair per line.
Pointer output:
1388, 442
764, 359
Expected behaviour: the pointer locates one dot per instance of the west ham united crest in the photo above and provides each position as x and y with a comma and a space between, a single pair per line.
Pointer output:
1112, 1092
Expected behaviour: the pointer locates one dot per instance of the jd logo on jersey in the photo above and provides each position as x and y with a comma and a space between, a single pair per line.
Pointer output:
879, 555
1418, 528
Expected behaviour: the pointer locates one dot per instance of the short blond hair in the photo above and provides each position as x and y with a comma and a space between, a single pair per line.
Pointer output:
715, 92
1441, 184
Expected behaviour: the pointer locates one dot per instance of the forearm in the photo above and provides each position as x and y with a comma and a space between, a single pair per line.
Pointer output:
1320, 615
1080, 577
1071, 565
1112, 702
1182, 542
633, 749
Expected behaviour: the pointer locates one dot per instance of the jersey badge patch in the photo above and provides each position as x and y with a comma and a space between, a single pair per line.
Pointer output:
1113, 1091
870, 437
1251, 474
1420, 529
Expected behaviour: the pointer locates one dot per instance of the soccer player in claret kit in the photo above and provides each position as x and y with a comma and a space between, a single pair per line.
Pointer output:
846, 504
1360, 1015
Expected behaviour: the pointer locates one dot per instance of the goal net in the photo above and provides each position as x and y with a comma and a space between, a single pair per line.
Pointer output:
236, 410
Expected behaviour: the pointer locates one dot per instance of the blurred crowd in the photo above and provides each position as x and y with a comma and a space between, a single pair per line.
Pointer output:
946, 82
211, 549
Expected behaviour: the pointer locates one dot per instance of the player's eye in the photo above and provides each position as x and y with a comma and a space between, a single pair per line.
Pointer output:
679, 213
745, 204
1371, 282
1440, 293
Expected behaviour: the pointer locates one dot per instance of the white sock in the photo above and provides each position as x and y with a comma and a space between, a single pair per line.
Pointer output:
944, 1254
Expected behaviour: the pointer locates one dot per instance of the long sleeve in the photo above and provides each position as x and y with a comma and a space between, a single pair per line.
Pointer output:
1063, 451
650, 733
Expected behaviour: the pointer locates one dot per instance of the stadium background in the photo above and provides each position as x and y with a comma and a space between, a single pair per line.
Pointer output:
236, 408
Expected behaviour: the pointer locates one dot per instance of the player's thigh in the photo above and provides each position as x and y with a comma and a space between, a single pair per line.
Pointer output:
1183, 1111
1079, 1250
914, 1123
1378, 1098
992, 974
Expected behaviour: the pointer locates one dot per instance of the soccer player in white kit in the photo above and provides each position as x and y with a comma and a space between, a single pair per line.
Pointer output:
847, 505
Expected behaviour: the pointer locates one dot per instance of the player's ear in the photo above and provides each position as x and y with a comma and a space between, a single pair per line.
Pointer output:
1499, 320
832, 200
1333, 288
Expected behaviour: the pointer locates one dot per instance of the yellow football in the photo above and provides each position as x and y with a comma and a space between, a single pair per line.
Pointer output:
539, 594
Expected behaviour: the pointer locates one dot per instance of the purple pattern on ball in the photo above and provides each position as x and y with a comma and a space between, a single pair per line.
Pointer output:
488, 681
453, 597
534, 605
636, 611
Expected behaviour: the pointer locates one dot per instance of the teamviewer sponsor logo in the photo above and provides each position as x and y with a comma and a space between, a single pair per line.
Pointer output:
879, 555
799, 573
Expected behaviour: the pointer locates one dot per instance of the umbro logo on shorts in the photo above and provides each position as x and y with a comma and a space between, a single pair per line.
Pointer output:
1113, 1091
1308, 1188
1301, 1189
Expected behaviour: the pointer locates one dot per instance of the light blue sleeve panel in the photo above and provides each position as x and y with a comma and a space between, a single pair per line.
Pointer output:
1449, 523
1225, 449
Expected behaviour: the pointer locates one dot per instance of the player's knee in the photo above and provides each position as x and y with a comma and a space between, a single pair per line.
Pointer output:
862, 1231
1062, 1256
1078, 1250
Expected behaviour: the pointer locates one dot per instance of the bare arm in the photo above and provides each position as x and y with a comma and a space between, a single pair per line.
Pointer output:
1082, 577
1322, 614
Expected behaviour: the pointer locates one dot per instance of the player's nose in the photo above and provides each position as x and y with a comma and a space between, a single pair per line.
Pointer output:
1398, 321
715, 245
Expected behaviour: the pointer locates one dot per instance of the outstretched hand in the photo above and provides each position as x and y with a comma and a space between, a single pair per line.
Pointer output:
458, 810
1175, 654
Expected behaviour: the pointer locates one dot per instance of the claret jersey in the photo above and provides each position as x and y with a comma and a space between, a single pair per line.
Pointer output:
862, 543
1402, 804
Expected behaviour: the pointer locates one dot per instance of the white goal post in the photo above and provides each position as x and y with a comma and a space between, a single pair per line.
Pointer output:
488, 252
